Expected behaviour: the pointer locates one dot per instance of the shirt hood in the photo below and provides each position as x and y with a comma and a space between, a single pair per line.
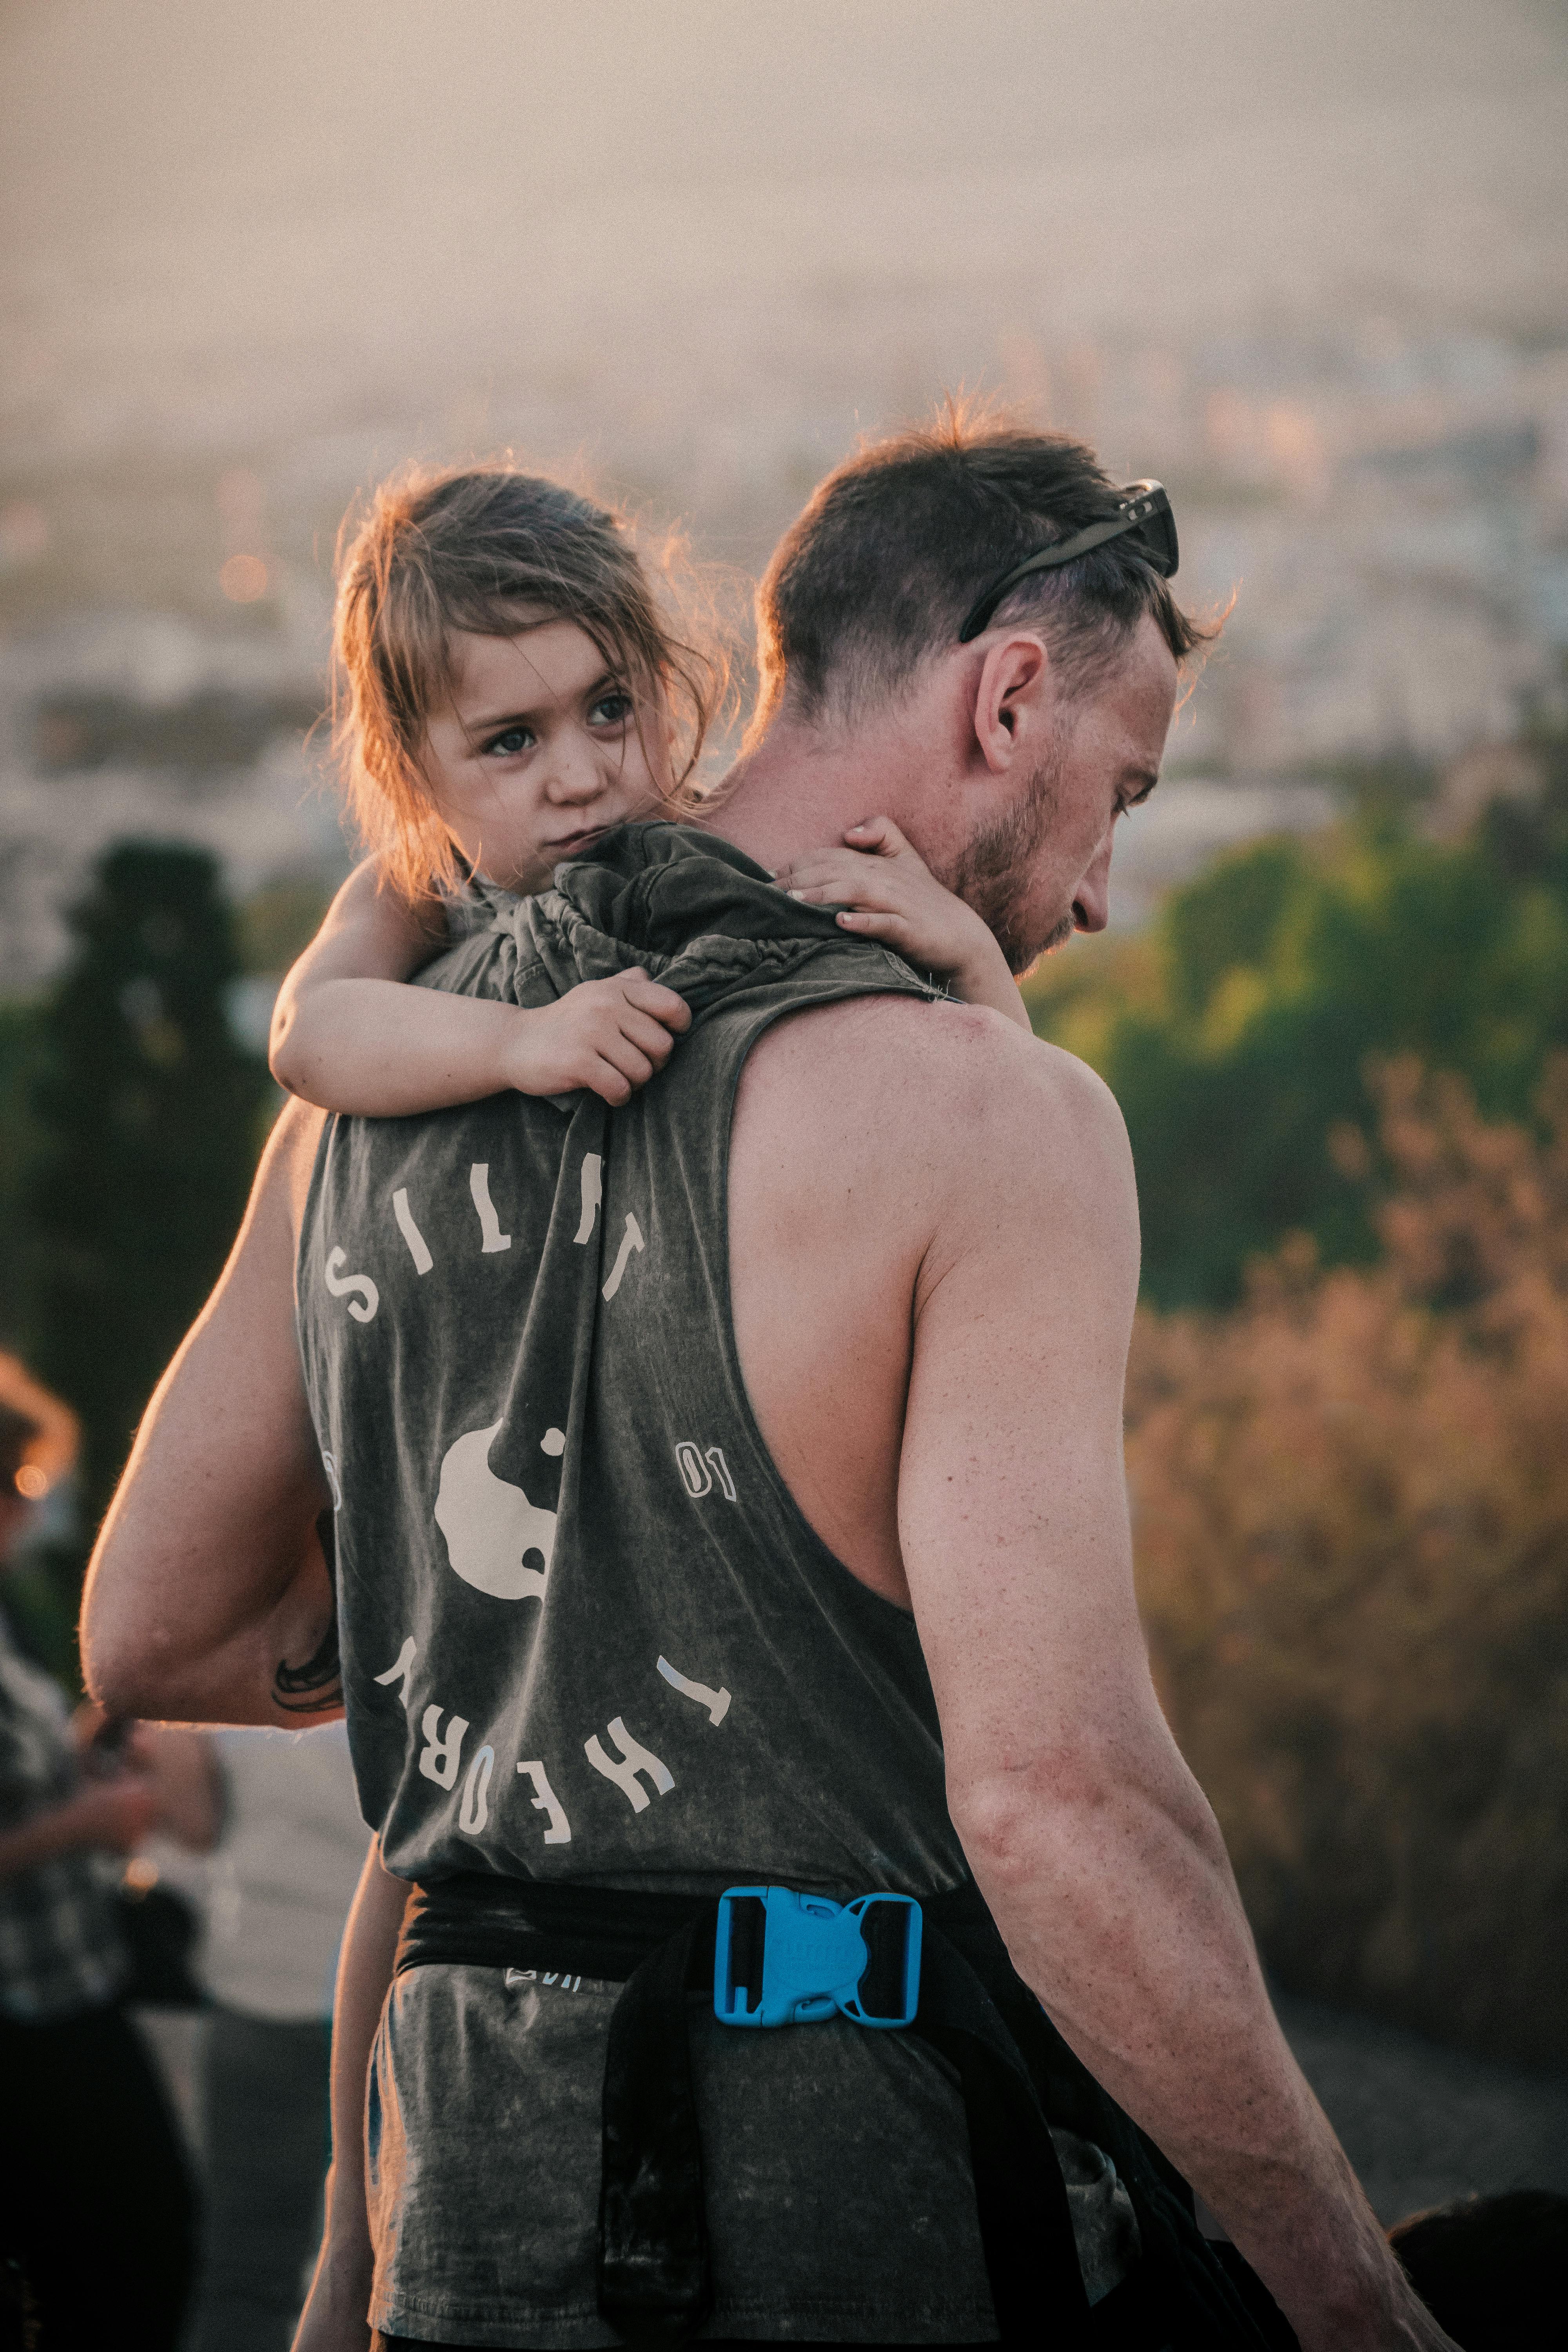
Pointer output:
690, 909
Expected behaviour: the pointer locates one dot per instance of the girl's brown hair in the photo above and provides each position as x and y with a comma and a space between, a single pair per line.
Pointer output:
485, 549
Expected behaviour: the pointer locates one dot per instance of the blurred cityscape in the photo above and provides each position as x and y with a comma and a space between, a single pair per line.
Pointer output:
1325, 301
1388, 509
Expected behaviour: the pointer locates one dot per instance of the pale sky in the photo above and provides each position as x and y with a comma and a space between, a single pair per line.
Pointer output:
281, 210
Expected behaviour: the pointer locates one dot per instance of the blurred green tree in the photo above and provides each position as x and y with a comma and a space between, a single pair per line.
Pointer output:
1528, 837
1238, 1034
147, 1114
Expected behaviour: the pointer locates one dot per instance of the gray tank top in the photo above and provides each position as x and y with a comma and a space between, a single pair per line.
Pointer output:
587, 1634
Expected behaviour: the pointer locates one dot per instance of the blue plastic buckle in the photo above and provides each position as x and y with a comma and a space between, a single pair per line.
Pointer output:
784, 1958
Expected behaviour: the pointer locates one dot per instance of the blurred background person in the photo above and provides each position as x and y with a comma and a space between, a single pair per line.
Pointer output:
97, 2207
280, 1887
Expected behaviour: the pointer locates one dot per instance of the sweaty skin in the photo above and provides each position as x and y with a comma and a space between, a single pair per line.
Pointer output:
933, 1257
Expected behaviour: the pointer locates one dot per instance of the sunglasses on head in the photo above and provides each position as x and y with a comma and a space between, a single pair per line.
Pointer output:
1142, 514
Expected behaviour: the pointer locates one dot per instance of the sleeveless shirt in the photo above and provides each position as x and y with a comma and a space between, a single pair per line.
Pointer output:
587, 1634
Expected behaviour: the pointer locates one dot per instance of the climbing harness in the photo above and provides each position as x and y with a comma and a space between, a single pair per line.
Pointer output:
1012, 2068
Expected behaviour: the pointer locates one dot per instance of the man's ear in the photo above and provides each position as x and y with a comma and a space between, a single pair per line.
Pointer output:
1016, 684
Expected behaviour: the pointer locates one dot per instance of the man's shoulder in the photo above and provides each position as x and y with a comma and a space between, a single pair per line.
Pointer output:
948, 1101
923, 1060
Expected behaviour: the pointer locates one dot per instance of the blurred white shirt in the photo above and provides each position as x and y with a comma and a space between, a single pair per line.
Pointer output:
281, 1879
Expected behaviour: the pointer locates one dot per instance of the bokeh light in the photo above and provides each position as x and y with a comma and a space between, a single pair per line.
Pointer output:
242, 579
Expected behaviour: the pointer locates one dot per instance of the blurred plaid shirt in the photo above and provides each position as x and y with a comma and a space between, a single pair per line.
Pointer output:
61, 1946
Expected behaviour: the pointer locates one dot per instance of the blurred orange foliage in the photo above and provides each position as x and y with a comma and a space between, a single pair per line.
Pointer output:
1351, 1507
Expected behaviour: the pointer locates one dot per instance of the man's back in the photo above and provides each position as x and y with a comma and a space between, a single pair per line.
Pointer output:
876, 1145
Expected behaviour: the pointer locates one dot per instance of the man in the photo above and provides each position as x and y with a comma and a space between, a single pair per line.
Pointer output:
673, 1453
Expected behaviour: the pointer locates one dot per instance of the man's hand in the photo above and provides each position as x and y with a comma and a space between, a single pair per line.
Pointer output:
609, 1035
886, 891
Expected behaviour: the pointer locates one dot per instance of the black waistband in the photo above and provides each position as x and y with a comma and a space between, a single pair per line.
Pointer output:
593, 1931
1016, 2073
517, 1923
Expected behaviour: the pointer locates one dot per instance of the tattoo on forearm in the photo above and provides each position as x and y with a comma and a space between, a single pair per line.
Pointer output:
311, 1688
318, 1684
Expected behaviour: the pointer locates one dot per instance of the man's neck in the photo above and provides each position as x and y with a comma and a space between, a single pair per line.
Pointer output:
802, 787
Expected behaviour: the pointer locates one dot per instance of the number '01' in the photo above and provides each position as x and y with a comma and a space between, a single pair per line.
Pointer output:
699, 1471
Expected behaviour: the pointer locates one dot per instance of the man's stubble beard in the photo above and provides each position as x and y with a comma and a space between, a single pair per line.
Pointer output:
993, 872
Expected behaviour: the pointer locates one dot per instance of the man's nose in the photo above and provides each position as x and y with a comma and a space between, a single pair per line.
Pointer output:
1092, 900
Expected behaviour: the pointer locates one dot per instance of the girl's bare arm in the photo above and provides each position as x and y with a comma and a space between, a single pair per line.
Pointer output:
343, 1007
349, 1034
335, 2318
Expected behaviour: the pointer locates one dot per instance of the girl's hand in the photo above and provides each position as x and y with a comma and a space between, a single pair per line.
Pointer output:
609, 1035
888, 892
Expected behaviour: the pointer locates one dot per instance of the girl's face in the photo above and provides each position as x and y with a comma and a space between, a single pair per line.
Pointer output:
540, 750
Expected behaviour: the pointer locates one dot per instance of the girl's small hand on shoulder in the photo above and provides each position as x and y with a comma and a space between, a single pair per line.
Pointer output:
888, 892
609, 1035
885, 891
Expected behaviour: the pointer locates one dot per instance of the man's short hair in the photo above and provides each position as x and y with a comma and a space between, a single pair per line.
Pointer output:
898, 542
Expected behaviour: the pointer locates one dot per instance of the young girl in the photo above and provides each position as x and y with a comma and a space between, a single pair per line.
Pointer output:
509, 692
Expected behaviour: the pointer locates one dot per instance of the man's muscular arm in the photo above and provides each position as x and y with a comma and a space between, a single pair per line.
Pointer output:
209, 1598
1094, 1846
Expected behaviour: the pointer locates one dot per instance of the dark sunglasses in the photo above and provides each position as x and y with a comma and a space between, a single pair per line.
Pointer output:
1142, 513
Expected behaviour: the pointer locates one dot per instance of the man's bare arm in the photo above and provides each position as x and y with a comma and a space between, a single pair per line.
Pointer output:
1094, 1846
209, 1598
